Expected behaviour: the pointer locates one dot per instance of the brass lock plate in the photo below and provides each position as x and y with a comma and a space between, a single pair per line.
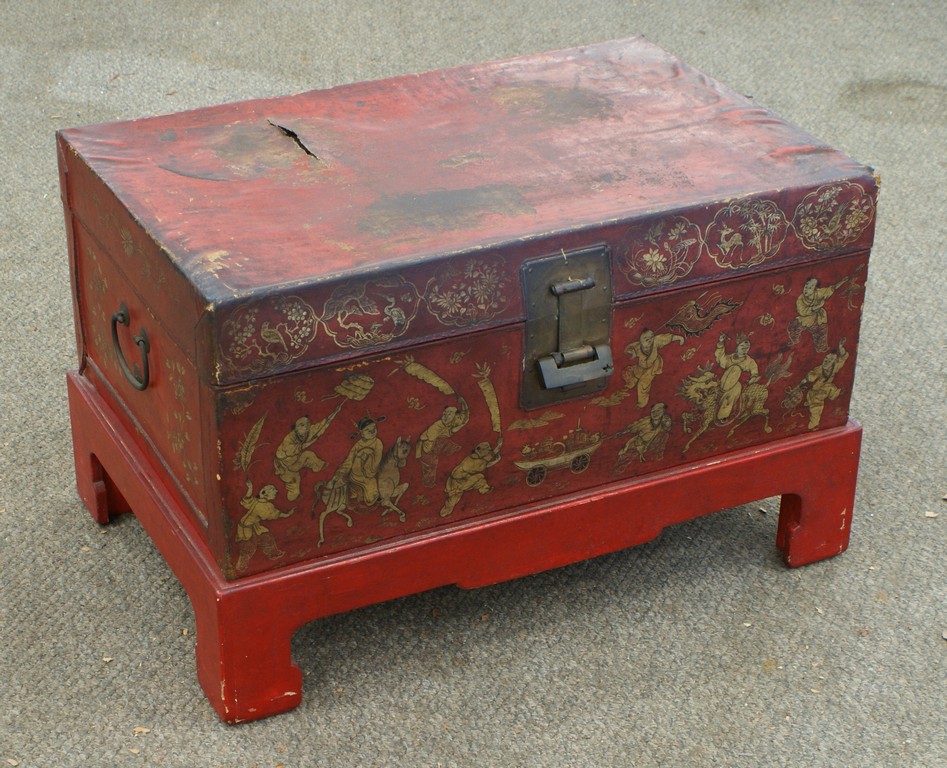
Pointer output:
568, 325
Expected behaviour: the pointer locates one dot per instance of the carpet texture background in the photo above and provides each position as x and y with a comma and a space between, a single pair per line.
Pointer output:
697, 649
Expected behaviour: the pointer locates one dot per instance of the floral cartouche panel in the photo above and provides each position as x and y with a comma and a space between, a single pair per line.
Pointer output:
343, 456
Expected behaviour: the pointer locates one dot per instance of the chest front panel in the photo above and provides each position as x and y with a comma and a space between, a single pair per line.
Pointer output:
342, 456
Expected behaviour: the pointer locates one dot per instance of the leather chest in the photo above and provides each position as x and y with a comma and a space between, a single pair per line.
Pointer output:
358, 318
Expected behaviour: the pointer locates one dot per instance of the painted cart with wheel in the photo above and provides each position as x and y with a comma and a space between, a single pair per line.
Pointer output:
577, 459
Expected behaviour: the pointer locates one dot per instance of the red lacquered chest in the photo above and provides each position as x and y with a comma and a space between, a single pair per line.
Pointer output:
455, 328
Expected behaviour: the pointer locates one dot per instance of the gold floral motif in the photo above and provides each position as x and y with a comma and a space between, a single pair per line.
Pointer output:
191, 472
128, 244
107, 220
474, 293
151, 275
177, 431
178, 420
99, 339
176, 373
98, 318
661, 254
833, 216
97, 282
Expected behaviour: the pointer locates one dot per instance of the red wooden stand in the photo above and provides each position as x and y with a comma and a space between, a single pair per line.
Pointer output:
244, 627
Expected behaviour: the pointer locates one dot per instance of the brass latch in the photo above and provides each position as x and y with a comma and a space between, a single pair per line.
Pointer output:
568, 319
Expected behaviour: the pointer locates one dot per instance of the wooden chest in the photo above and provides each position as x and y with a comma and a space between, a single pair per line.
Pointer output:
454, 328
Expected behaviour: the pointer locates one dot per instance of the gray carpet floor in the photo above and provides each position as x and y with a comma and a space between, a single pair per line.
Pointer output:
697, 649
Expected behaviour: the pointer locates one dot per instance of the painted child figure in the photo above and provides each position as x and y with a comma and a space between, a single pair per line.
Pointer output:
435, 440
292, 455
811, 316
647, 352
821, 383
251, 532
468, 475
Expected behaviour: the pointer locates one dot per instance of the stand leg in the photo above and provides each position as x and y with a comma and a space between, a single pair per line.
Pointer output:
816, 523
96, 489
244, 631
243, 657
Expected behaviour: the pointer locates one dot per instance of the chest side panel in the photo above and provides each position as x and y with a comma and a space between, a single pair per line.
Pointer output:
166, 412
342, 456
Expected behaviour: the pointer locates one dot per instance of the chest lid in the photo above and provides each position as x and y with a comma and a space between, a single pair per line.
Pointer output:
285, 231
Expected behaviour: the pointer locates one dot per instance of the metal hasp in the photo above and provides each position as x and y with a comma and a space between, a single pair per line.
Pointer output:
568, 323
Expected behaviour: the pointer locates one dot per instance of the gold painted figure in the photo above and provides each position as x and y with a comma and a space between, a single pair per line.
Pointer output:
292, 455
648, 435
369, 475
390, 487
649, 363
468, 475
734, 366
811, 315
727, 401
355, 477
356, 474
821, 383
435, 440
251, 532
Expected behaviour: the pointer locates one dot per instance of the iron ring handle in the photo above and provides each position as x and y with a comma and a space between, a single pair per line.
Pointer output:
139, 380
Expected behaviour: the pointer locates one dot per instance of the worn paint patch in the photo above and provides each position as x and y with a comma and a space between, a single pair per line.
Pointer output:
456, 161
555, 104
211, 262
446, 209
251, 150
241, 151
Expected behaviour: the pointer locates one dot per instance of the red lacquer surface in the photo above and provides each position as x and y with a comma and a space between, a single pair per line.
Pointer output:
349, 202
244, 628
